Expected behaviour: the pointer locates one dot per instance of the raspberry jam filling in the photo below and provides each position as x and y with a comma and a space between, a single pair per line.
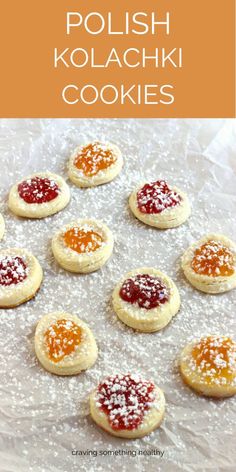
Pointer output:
145, 290
62, 339
125, 399
38, 190
82, 240
213, 259
13, 270
94, 158
156, 197
214, 357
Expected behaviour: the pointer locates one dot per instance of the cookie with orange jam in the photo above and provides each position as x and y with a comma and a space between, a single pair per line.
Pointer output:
2, 226
94, 164
39, 195
64, 344
210, 264
83, 246
146, 299
20, 277
208, 365
127, 406
160, 205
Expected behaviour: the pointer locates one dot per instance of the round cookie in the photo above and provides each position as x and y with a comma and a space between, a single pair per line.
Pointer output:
2, 226
64, 344
20, 277
208, 366
39, 195
146, 299
210, 264
157, 204
127, 406
83, 246
94, 164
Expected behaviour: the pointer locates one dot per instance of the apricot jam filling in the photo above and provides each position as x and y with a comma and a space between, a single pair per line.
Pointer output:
62, 338
215, 359
213, 259
155, 197
38, 190
82, 240
13, 270
125, 399
93, 158
145, 290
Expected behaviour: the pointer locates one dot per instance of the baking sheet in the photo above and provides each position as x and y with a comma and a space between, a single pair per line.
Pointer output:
44, 417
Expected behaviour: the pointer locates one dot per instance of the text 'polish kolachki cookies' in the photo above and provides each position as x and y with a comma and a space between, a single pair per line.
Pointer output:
146, 299
2, 226
39, 195
209, 366
95, 164
127, 406
210, 264
20, 277
157, 204
83, 246
64, 344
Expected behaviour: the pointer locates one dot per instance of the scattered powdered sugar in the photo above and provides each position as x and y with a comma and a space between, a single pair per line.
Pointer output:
46, 416
156, 197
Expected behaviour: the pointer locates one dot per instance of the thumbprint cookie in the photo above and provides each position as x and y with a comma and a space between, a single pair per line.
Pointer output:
20, 277
127, 406
208, 366
146, 299
210, 264
83, 246
157, 204
95, 164
39, 195
64, 344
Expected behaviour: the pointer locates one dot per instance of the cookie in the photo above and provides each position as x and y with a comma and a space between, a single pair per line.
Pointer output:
94, 164
208, 366
159, 205
127, 406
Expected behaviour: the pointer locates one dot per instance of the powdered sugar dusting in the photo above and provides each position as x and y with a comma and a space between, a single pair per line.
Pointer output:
214, 259
47, 416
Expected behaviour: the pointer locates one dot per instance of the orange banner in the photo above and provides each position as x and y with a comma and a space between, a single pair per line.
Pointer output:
161, 58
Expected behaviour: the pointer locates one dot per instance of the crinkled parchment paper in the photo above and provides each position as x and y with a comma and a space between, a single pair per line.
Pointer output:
45, 417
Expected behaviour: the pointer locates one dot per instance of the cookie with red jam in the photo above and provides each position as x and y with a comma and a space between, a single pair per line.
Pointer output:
146, 299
